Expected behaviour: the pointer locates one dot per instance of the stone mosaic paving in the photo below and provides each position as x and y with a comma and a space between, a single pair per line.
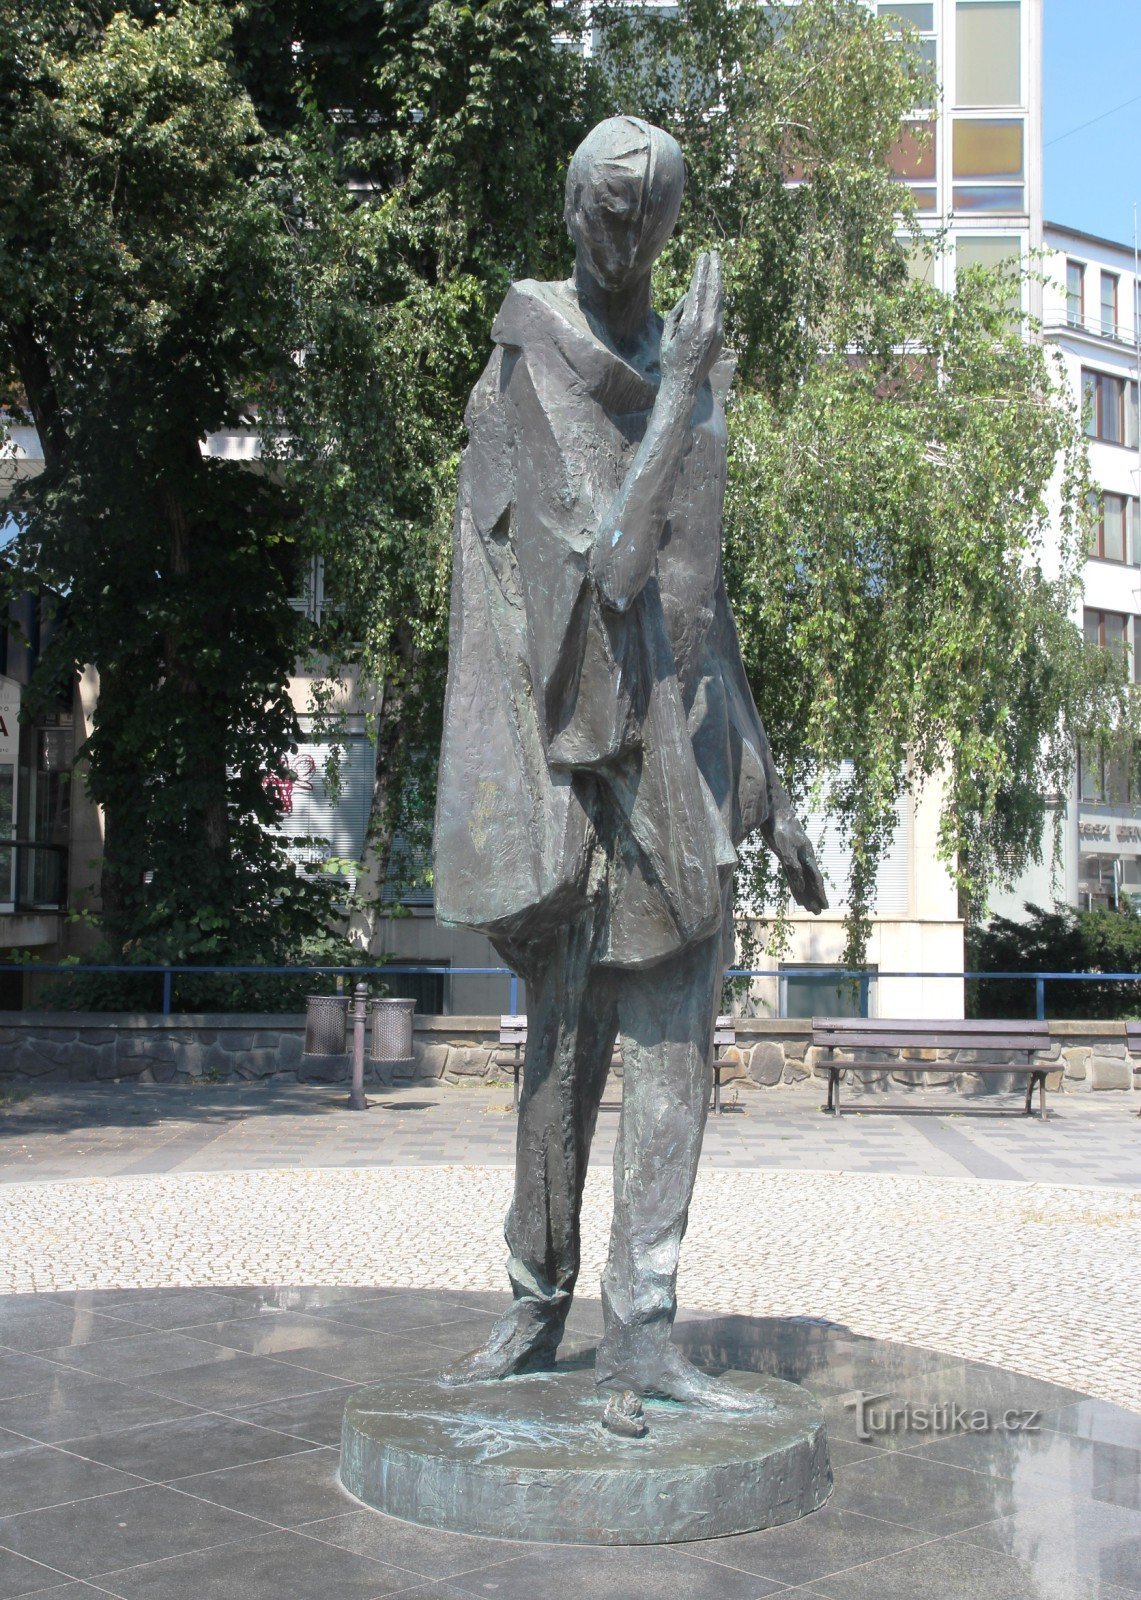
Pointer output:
1040, 1278
127, 1130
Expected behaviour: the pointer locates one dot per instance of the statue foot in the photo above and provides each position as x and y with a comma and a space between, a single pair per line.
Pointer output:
513, 1348
665, 1374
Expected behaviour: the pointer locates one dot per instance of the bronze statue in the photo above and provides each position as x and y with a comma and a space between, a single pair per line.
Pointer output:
602, 755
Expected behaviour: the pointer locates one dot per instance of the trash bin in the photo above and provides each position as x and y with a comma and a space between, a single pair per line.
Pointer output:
392, 1031
325, 1017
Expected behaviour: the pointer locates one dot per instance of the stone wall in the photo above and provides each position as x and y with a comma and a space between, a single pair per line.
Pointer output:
66, 1047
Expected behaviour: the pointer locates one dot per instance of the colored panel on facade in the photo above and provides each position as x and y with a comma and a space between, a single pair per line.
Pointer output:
1010, 199
989, 148
913, 154
988, 53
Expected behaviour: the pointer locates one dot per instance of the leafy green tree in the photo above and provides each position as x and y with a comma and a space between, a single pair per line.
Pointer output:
452, 146
277, 215
147, 251
906, 515
302, 217
1058, 940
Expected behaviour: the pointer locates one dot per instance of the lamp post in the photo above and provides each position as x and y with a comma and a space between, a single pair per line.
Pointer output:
357, 1101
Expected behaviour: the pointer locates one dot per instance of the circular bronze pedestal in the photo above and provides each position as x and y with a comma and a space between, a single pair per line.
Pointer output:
528, 1458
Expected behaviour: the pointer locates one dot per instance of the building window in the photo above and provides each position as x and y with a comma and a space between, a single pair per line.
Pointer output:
988, 53
1108, 775
1109, 304
1108, 882
311, 599
917, 14
1114, 536
912, 160
808, 993
1112, 631
430, 990
1110, 407
1075, 294
987, 157
991, 251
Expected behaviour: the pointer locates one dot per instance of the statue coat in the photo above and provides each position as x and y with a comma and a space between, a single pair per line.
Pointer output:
592, 754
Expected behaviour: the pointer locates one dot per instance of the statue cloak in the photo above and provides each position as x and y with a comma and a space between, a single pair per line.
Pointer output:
589, 753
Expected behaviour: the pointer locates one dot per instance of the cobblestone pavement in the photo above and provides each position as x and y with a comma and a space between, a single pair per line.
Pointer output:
1042, 1279
128, 1130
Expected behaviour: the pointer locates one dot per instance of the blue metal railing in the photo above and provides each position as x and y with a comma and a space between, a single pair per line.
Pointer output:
861, 975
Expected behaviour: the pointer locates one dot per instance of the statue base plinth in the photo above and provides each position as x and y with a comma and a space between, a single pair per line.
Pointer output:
528, 1458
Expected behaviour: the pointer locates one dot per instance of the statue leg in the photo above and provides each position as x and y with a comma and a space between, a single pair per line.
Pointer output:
571, 1025
666, 1016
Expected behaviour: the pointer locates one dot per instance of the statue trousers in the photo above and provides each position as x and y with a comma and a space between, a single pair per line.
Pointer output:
664, 1017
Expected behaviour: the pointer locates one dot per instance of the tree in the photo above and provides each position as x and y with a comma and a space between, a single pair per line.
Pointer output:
146, 248
906, 517
1059, 940
302, 216
456, 132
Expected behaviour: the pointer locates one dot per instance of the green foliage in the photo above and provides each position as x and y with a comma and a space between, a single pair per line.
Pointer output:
904, 604
146, 250
462, 119
305, 215
1060, 940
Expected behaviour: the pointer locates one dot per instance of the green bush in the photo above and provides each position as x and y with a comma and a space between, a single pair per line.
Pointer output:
1061, 940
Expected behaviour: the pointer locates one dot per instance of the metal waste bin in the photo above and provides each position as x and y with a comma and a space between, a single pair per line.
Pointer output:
325, 1017
392, 1030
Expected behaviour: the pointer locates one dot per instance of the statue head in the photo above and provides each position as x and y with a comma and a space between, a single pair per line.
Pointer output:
624, 190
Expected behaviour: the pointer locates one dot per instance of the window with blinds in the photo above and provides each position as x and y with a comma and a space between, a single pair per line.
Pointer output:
893, 880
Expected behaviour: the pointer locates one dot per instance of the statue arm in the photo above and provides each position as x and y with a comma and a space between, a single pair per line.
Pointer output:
627, 538
626, 542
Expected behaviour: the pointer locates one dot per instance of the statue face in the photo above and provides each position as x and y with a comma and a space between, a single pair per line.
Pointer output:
623, 196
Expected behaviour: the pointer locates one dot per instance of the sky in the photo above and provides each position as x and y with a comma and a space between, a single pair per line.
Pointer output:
1092, 65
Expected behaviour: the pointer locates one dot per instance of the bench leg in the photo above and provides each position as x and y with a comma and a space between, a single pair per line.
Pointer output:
515, 1082
1042, 1112
717, 1088
836, 1104
1030, 1082
831, 1080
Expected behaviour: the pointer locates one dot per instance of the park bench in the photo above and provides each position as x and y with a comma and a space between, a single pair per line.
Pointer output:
513, 1044
856, 1037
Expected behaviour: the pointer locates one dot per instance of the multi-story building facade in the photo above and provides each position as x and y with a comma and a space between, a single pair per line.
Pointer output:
1092, 316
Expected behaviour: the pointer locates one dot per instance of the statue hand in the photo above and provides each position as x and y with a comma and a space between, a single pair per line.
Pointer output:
694, 330
793, 849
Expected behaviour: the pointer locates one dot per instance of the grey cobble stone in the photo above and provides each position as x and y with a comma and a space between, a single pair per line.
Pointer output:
1109, 1071
767, 1063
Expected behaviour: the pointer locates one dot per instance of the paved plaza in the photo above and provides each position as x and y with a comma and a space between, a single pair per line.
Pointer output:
129, 1130
171, 1387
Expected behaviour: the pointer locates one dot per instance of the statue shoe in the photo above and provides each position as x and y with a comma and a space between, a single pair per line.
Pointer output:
664, 1374
516, 1345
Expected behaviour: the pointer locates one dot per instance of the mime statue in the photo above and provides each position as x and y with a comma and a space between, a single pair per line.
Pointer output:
602, 756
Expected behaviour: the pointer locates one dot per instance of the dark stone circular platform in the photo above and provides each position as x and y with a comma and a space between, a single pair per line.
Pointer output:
528, 1458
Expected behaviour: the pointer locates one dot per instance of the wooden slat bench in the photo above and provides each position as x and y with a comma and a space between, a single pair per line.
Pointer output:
855, 1036
513, 1044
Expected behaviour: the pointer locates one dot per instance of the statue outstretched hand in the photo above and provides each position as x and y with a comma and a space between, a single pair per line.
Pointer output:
793, 849
694, 330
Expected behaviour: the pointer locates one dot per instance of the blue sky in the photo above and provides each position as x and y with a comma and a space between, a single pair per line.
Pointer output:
1092, 64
